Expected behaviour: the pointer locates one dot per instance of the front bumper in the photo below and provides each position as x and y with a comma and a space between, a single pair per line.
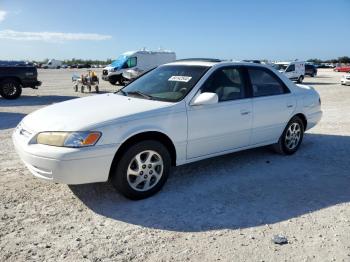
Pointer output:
66, 165
32, 84
345, 81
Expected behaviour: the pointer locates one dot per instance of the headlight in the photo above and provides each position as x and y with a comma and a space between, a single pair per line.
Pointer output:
68, 139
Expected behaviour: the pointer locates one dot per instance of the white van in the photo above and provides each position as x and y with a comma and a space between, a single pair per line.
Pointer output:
138, 61
53, 64
293, 70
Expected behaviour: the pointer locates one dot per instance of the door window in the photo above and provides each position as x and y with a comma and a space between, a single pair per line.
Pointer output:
227, 83
132, 61
290, 68
265, 83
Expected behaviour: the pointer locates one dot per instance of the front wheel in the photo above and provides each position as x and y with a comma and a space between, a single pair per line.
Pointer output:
291, 137
142, 170
10, 89
300, 79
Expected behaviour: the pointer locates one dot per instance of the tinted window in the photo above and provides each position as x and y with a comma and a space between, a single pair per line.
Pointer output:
290, 68
265, 83
227, 83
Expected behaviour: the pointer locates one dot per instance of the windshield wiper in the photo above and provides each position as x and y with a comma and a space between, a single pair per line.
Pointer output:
140, 94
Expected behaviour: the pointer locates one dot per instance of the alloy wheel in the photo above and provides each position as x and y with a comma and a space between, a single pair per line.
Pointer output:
293, 136
9, 89
145, 170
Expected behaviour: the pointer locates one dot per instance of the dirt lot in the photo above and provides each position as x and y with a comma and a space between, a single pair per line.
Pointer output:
226, 208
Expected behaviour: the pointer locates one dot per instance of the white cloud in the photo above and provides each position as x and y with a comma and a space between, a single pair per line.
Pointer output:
51, 36
2, 15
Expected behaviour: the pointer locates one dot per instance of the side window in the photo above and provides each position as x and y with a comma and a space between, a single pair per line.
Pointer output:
290, 68
264, 83
227, 83
132, 61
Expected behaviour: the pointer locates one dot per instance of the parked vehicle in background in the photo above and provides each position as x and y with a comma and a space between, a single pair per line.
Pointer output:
175, 114
310, 70
295, 71
345, 80
252, 61
64, 66
342, 69
14, 78
139, 61
52, 64
83, 66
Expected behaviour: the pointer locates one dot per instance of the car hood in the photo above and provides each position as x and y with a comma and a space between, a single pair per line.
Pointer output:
82, 113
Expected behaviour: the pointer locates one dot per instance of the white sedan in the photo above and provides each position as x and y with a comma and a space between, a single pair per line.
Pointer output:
175, 114
345, 80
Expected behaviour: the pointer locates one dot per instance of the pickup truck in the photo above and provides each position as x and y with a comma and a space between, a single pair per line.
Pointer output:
15, 77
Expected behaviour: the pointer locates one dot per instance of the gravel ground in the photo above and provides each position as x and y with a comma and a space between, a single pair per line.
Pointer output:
227, 208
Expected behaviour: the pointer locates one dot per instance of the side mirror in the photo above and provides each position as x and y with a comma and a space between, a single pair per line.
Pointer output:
205, 99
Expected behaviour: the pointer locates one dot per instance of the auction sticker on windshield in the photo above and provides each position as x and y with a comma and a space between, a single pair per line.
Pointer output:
180, 78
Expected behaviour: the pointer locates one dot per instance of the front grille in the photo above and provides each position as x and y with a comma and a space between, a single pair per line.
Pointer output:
105, 72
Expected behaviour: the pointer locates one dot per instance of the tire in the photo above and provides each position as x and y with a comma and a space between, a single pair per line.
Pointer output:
284, 145
136, 175
121, 81
300, 79
10, 89
313, 74
114, 79
113, 82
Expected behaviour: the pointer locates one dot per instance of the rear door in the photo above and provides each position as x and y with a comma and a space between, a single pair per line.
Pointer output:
225, 125
273, 105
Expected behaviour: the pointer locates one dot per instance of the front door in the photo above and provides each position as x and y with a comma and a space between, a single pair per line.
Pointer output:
225, 125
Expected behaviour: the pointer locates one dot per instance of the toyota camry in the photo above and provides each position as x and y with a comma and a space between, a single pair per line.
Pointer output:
175, 114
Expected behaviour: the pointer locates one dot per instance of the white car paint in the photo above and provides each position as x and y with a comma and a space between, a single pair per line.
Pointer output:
197, 132
345, 80
53, 64
294, 70
145, 60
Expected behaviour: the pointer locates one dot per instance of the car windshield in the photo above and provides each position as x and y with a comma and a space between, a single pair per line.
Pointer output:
280, 66
166, 83
120, 61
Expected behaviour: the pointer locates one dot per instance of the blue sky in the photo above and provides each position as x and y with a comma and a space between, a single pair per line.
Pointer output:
270, 29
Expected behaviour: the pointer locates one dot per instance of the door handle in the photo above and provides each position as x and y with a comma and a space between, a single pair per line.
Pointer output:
290, 106
244, 112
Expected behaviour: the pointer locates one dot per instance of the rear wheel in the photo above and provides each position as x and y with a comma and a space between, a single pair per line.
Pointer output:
291, 137
10, 89
142, 170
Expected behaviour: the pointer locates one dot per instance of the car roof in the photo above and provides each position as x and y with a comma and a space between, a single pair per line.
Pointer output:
212, 62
